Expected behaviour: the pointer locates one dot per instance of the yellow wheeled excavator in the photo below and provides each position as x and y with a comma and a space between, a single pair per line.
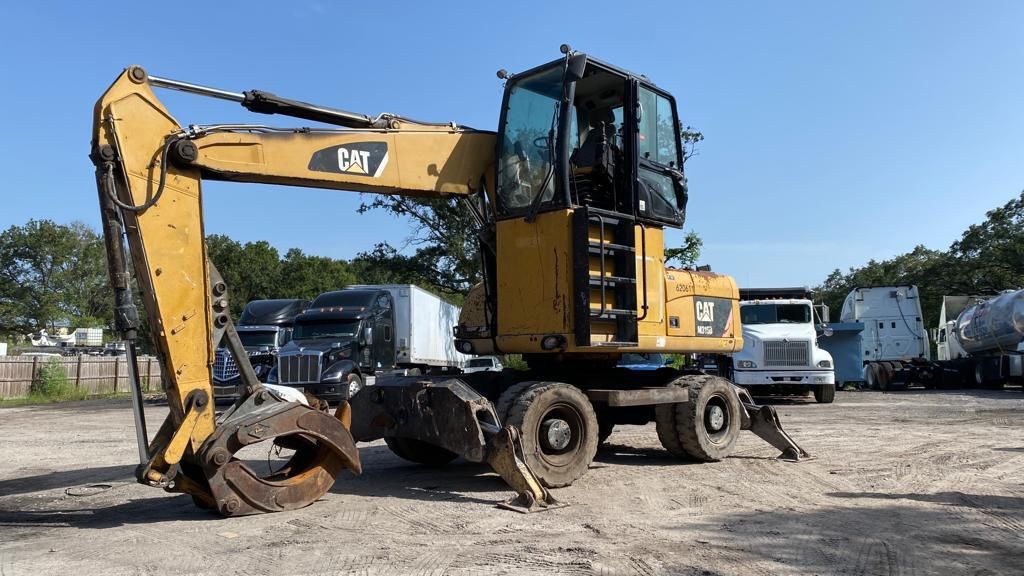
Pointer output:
571, 195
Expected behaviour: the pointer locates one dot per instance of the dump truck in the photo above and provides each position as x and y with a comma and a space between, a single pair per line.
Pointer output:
571, 196
780, 351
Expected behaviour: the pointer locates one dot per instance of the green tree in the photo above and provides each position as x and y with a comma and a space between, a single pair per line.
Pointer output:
686, 256
989, 257
252, 271
444, 238
306, 276
51, 273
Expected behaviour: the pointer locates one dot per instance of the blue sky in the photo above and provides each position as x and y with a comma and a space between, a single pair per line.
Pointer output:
835, 133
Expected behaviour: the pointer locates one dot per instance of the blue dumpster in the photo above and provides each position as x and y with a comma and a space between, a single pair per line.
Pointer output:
845, 347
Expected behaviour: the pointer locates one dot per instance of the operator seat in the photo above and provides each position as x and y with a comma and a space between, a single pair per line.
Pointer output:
593, 163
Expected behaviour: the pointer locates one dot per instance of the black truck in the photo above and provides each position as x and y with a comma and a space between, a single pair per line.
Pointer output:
264, 327
347, 337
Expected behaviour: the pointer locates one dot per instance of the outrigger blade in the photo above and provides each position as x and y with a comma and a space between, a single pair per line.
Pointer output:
764, 421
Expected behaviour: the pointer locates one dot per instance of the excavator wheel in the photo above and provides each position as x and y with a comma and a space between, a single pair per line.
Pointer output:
706, 427
419, 451
559, 431
508, 397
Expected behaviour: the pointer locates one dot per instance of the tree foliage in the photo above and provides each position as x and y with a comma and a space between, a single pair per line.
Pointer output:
444, 238
685, 256
988, 258
51, 273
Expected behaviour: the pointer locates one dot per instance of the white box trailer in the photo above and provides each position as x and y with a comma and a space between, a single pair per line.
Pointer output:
424, 326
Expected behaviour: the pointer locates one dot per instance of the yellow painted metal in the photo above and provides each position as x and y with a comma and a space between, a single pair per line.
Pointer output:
167, 239
535, 284
167, 246
420, 162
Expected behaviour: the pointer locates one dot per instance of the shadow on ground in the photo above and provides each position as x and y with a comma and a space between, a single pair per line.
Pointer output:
875, 533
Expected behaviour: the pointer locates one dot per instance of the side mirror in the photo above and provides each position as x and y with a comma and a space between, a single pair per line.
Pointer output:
369, 336
576, 66
827, 330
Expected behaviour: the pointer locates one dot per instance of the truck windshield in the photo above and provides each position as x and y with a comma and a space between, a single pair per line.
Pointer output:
480, 363
775, 314
257, 339
326, 329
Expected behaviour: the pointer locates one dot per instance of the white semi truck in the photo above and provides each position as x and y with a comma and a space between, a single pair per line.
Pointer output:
780, 347
983, 345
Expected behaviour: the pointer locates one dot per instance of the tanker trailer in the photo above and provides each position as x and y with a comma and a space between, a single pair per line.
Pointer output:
991, 332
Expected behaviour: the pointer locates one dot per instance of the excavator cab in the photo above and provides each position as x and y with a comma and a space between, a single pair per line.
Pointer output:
580, 132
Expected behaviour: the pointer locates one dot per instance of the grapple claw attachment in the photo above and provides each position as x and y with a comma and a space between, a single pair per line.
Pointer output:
322, 445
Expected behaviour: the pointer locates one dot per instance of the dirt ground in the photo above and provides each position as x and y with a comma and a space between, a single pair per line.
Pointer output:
903, 483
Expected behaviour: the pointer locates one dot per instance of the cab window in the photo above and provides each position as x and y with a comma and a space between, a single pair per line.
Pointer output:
657, 138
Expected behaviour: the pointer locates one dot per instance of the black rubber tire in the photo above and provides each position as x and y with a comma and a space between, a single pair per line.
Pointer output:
509, 396
553, 468
683, 427
419, 451
884, 375
825, 393
870, 377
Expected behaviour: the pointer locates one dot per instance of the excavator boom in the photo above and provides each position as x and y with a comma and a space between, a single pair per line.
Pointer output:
149, 170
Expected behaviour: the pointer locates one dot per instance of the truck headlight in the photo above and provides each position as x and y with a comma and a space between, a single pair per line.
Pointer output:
746, 364
825, 364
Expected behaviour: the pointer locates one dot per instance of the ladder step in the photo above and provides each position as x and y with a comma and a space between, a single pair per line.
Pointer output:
611, 313
609, 248
610, 281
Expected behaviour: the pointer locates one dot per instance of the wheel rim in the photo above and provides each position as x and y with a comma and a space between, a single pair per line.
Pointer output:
717, 418
559, 433
353, 385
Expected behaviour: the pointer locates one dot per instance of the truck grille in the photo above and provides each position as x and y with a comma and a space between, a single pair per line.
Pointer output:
224, 367
778, 353
299, 368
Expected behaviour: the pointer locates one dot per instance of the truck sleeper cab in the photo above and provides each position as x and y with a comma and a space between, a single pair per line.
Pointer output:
264, 327
348, 337
780, 352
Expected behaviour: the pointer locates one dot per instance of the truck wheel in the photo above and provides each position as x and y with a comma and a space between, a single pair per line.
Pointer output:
706, 427
559, 431
884, 375
353, 384
825, 393
871, 376
419, 451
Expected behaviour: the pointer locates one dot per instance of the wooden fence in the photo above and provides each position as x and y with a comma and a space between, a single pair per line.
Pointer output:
93, 374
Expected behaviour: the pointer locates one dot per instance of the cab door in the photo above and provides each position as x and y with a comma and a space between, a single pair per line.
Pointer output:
659, 186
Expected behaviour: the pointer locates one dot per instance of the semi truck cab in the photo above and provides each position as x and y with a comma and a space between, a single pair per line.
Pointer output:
780, 350
343, 338
264, 327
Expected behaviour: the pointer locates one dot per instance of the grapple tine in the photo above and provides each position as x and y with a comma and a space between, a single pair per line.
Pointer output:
764, 421
505, 455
